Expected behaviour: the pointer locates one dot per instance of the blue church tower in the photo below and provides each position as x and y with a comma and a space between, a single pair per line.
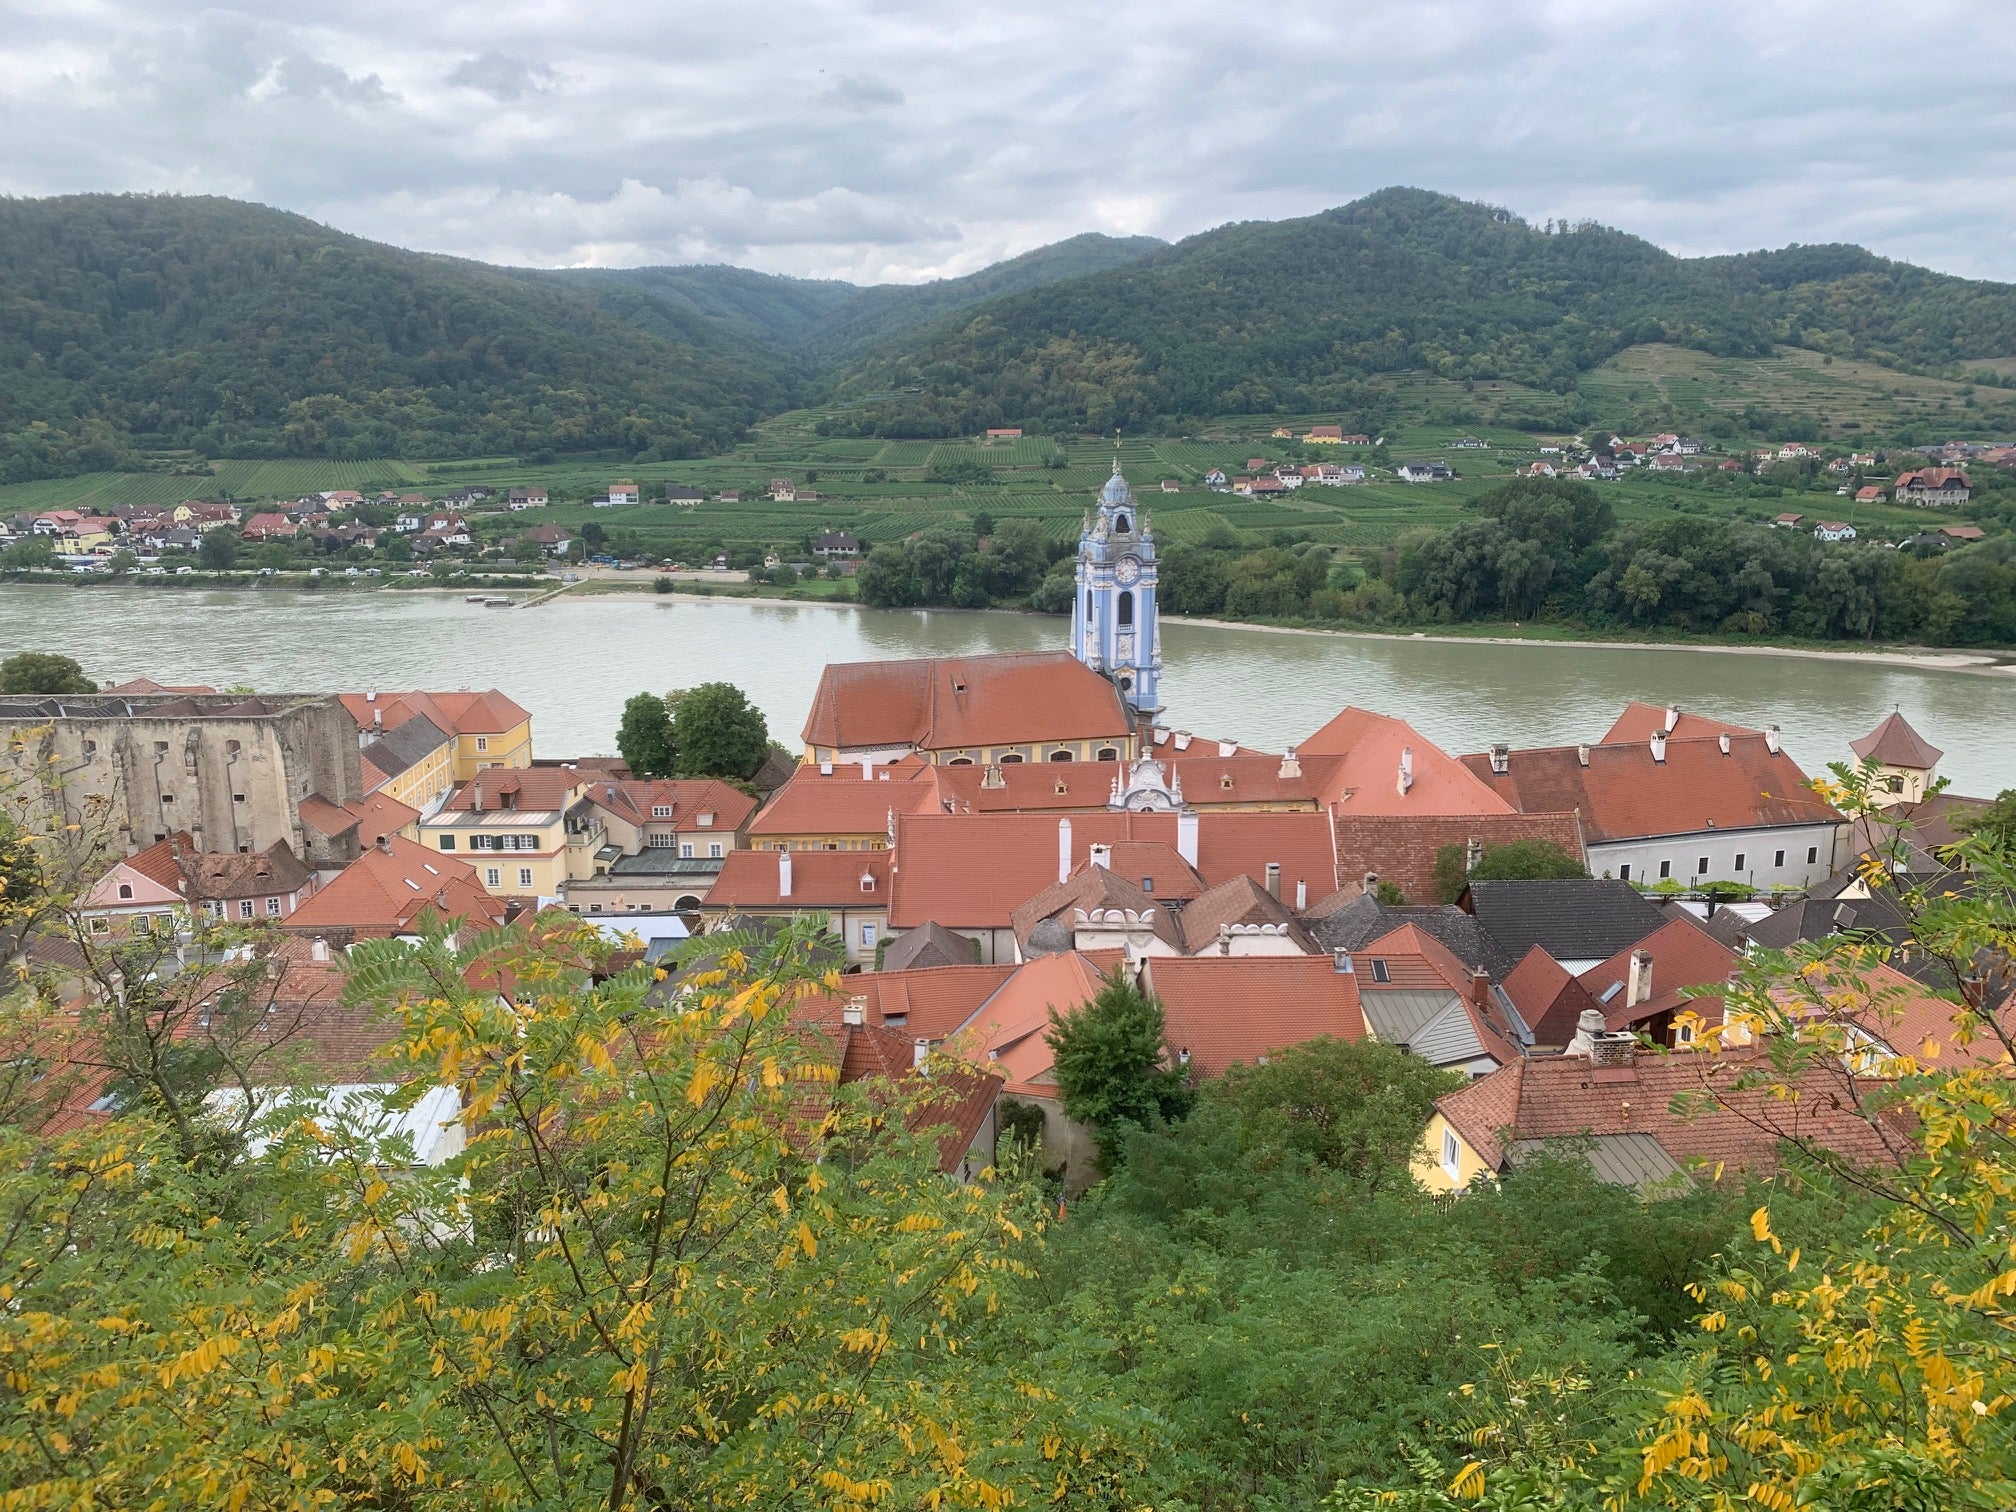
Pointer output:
1114, 629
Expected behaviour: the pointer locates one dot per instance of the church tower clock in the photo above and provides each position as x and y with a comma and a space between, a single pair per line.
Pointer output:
1114, 628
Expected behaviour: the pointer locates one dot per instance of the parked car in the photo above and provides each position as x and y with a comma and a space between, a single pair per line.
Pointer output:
185, 571
372, 572
353, 572
418, 572
314, 572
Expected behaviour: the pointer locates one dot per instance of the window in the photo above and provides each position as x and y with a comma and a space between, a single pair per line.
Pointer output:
1701, 867
661, 811
524, 876
167, 797
272, 908
237, 797
244, 908
1665, 869
1624, 872
714, 849
706, 821
1107, 753
214, 909
1127, 611
867, 936
447, 842
101, 925
1893, 784
1452, 1161
482, 743
1063, 756
143, 924
666, 841
686, 850
1779, 859
1740, 859
1011, 758
1380, 972
491, 876
125, 889
1812, 854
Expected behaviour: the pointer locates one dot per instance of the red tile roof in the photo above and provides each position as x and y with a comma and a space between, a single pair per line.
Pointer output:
1683, 955
1006, 1033
390, 889
376, 814
1369, 782
1641, 721
635, 798
326, 818
458, 713
531, 790
1623, 793
947, 703
930, 1002
937, 878
1416, 960
948, 1097
1895, 743
814, 804
1548, 998
1224, 1009
820, 879
1560, 1097
1402, 848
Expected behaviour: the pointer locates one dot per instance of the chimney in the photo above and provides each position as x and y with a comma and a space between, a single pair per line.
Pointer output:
385, 844
920, 1052
1186, 835
990, 776
377, 719
1101, 855
1473, 853
1722, 740
867, 768
1480, 987
1301, 896
1274, 880
1501, 759
1371, 884
1587, 1027
783, 874
1182, 740
1224, 939
319, 951
1340, 962
1658, 745
1582, 755
1771, 739
1290, 767
825, 769
1063, 849
1638, 988
1672, 717
1613, 1051
1406, 770
855, 1014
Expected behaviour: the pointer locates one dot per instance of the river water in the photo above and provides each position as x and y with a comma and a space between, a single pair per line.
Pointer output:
573, 661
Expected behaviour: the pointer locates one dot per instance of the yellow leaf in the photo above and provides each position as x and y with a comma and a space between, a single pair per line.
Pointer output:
1469, 1482
806, 1240
1760, 1224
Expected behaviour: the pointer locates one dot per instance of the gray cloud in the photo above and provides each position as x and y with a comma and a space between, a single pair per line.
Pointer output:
906, 139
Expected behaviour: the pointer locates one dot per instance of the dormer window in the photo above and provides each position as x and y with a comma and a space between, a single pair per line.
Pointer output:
705, 821
661, 811
1225, 782
1380, 973
125, 889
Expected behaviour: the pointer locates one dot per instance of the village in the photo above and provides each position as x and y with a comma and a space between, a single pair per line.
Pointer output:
985, 839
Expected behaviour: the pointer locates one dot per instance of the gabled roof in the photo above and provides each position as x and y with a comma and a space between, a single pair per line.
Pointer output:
178, 867
390, 889
820, 879
1895, 743
405, 746
1048, 922
1563, 1097
1232, 903
951, 1099
1625, 793
944, 703
1550, 1000
529, 790
1227, 1009
1577, 919
635, 799
1641, 721
936, 876
1350, 918
814, 804
459, 713
1373, 747
930, 944
1007, 1030
376, 814
1447, 1016
1683, 955
326, 818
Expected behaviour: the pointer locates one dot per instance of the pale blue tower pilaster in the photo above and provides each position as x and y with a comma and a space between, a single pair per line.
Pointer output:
1114, 625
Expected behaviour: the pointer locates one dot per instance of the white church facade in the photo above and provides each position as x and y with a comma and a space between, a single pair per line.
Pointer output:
1114, 627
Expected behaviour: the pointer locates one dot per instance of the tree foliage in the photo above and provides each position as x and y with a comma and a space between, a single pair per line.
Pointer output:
43, 672
1111, 1064
717, 732
644, 737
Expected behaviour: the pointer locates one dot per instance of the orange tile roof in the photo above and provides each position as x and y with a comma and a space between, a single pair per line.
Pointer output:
930, 1002
1641, 721
937, 876
390, 888
947, 703
1373, 746
1547, 997
1908, 1017
376, 814
1561, 1097
949, 1097
1226, 1009
1624, 794
1006, 1033
1099, 887
530, 790
318, 813
814, 804
1683, 955
1401, 848
820, 879
1895, 743
459, 713
634, 798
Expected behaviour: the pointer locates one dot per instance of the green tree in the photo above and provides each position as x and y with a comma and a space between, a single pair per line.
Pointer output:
274, 556
43, 672
218, 549
717, 732
1994, 824
1111, 1065
29, 553
1514, 861
644, 737
121, 562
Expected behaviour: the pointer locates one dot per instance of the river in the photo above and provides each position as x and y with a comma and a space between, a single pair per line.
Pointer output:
573, 661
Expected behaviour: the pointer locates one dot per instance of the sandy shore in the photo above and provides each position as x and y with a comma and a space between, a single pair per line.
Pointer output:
1923, 658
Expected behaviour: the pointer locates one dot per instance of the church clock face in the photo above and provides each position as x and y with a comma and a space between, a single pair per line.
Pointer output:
1128, 570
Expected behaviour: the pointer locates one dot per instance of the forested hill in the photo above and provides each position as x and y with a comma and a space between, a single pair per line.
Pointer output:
824, 320
236, 330
1294, 315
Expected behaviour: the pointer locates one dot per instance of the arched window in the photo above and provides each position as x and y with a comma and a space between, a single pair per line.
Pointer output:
1011, 758
1063, 756
1120, 523
1127, 609
125, 889
1088, 606
1126, 682
1107, 753
960, 761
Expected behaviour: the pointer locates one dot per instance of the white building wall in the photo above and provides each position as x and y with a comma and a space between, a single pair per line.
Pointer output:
1747, 855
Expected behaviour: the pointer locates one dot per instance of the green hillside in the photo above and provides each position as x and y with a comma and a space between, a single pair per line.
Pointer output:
156, 322
1300, 314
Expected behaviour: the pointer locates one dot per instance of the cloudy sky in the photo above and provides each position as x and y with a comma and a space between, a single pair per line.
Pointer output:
909, 139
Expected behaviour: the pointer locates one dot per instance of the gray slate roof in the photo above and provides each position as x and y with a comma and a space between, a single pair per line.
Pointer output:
1633, 1160
1582, 919
396, 750
1364, 919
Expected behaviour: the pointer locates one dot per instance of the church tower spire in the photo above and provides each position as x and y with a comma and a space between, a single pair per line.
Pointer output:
1114, 625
